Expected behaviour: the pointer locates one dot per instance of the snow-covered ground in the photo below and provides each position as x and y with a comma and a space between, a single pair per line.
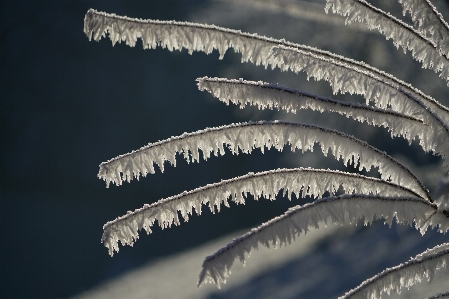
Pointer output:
324, 264
150, 281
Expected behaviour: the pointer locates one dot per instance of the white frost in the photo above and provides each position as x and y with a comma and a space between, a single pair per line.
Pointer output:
341, 210
429, 22
432, 251
266, 95
301, 182
248, 136
391, 280
345, 78
198, 37
401, 34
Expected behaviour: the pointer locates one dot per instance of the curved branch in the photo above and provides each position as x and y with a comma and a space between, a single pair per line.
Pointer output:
341, 210
267, 95
247, 136
343, 77
199, 37
391, 280
301, 182
429, 22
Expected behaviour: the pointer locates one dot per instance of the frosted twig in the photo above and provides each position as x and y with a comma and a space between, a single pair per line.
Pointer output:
343, 77
341, 210
402, 34
429, 22
432, 251
391, 280
248, 136
300, 182
199, 37
274, 96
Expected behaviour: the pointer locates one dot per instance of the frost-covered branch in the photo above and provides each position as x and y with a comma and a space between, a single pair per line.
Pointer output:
429, 22
399, 194
432, 251
300, 182
266, 95
391, 280
199, 37
343, 77
303, 10
346, 78
341, 210
248, 136
402, 35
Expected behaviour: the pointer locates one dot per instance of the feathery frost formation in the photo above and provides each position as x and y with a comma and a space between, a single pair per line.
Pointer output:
345, 78
402, 35
432, 251
402, 109
429, 22
175, 35
254, 48
300, 182
391, 280
341, 210
247, 136
266, 95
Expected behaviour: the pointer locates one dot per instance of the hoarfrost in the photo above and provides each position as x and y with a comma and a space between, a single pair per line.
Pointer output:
402, 35
341, 210
248, 136
345, 78
301, 182
429, 22
266, 95
199, 37
391, 280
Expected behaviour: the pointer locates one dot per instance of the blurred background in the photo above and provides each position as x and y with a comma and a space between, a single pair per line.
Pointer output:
67, 104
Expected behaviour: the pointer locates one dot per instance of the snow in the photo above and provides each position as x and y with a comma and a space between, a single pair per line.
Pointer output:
175, 276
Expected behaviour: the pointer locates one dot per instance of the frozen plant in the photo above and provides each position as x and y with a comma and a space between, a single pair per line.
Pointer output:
398, 195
